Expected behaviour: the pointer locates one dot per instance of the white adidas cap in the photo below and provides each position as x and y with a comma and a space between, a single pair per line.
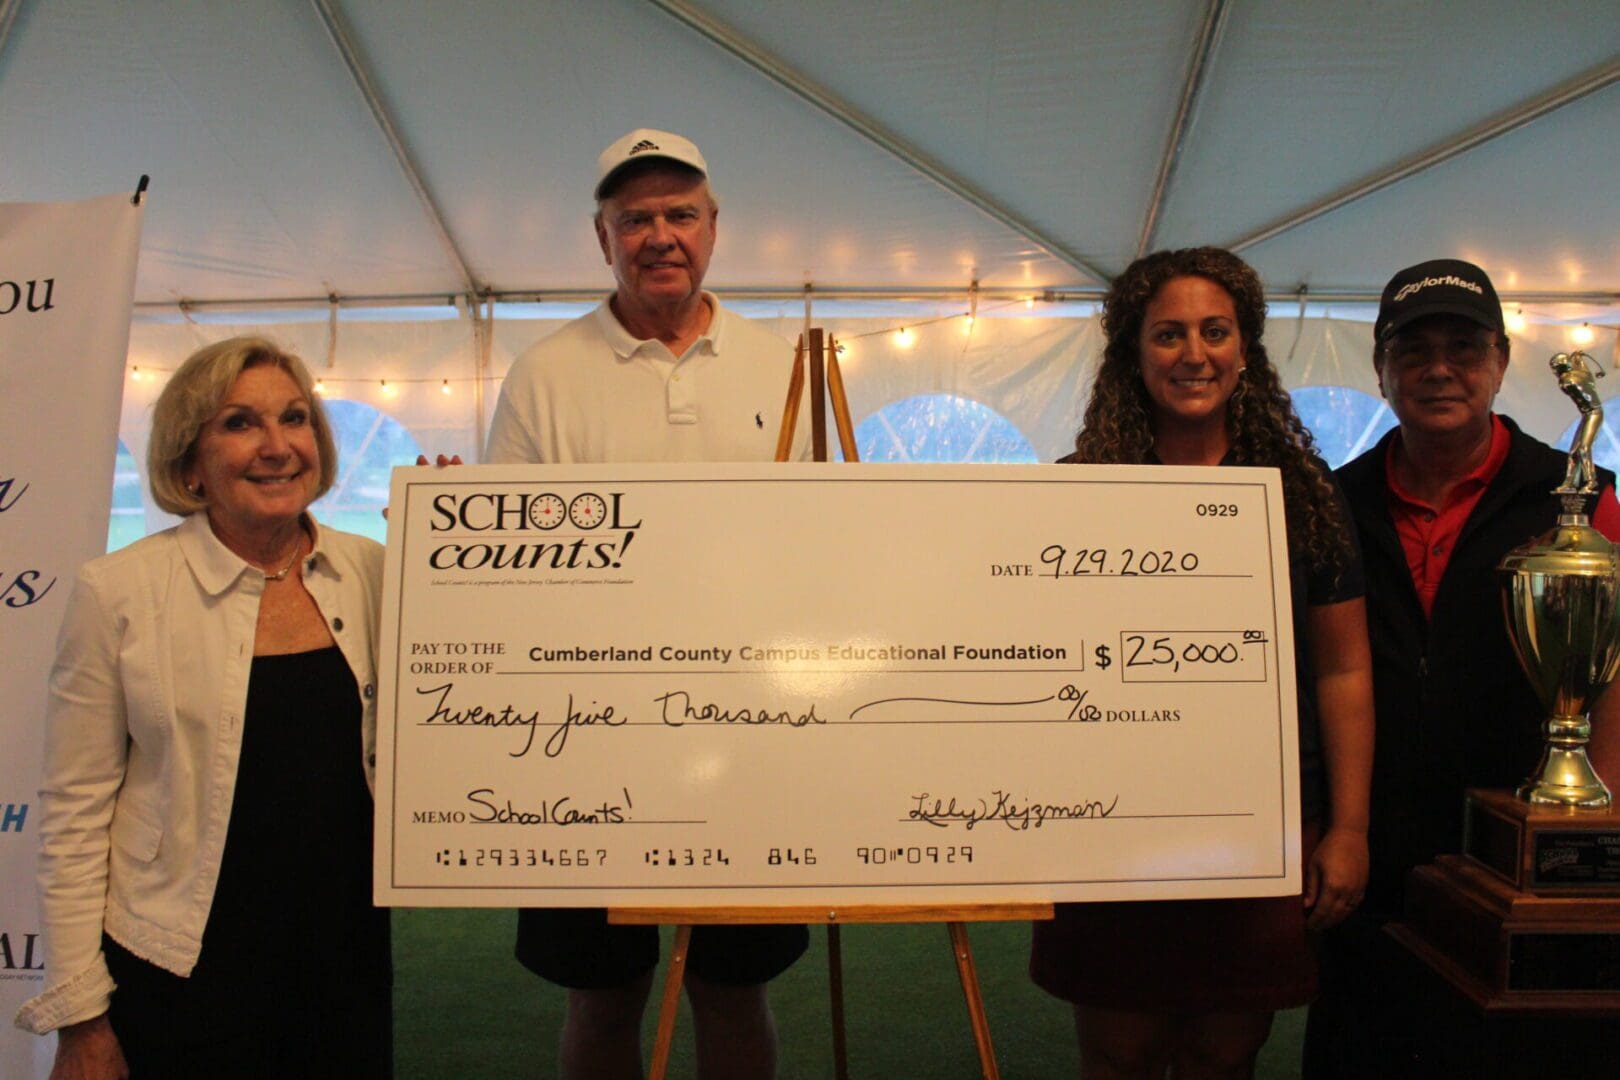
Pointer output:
645, 143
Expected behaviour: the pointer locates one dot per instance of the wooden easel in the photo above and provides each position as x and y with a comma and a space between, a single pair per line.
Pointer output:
823, 350
955, 919
825, 381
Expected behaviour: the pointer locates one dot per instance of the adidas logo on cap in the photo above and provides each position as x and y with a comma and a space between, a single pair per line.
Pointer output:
645, 143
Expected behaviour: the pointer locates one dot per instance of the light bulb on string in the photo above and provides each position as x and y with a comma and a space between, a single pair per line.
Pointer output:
904, 338
135, 374
1029, 303
1582, 334
388, 391
445, 388
1516, 321
320, 386
967, 323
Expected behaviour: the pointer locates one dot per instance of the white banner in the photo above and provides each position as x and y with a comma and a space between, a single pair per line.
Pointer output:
792, 684
67, 279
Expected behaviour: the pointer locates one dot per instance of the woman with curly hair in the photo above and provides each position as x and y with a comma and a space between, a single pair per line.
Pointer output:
1192, 985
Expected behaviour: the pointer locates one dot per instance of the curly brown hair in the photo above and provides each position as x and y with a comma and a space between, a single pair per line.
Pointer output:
1261, 422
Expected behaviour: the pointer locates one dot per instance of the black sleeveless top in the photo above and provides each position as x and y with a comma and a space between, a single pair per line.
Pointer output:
297, 862
292, 930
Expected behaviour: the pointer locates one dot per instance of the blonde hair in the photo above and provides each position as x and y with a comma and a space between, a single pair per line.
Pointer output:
192, 397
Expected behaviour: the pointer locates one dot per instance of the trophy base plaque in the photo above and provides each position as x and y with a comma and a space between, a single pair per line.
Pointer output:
1550, 851
1528, 920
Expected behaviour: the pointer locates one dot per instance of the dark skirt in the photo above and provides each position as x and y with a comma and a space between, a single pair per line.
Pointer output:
295, 976
1180, 955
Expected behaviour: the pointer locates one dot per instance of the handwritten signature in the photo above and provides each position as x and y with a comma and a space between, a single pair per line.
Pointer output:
940, 811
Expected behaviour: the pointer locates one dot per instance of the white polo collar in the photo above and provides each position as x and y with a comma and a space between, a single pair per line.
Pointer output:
626, 345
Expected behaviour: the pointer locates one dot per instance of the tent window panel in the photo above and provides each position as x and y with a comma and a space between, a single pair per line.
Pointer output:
370, 443
939, 428
1345, 422
127, 523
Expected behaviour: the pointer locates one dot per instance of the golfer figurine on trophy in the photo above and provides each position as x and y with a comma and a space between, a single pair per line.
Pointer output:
1562, 599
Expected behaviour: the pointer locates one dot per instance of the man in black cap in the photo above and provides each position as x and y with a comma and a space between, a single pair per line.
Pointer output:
1437, 503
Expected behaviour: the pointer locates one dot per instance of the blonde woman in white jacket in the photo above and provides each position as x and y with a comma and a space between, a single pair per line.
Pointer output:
205, 867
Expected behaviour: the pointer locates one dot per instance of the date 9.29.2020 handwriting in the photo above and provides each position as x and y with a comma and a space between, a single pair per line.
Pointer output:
1129, 561
1125, 562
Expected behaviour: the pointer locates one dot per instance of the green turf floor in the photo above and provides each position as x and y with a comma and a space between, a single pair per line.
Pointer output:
464, 1009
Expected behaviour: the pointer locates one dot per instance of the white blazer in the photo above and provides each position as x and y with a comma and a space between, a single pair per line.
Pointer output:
143, 734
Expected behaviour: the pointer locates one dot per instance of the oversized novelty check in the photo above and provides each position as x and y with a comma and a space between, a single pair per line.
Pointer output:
806, 684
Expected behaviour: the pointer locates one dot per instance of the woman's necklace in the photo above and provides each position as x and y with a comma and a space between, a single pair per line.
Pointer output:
298, 549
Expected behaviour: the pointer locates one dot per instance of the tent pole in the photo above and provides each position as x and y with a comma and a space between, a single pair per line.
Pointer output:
8, 15
1533, 109
338, 31
986, 294
486, 345
1209, 36
594, 296
774, 69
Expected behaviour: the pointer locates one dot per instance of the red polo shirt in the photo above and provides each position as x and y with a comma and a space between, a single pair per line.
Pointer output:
1429, 533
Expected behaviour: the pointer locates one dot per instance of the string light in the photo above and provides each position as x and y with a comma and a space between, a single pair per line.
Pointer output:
1582, 334
1516, 321
969, 317
323, 385
904, 337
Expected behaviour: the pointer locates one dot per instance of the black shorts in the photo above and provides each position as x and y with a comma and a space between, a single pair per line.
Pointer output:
579, 949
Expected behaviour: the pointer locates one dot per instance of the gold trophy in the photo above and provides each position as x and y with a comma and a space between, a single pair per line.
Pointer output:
1561, 594
1526, 920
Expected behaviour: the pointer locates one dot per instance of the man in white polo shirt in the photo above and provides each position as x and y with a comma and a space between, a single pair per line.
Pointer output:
660, 371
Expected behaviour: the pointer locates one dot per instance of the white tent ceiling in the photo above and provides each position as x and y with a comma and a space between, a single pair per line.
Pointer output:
904, 147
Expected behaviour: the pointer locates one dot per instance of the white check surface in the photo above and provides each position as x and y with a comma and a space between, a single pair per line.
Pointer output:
797, 684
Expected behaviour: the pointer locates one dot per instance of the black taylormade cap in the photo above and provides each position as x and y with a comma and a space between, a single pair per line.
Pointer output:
1438, 287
